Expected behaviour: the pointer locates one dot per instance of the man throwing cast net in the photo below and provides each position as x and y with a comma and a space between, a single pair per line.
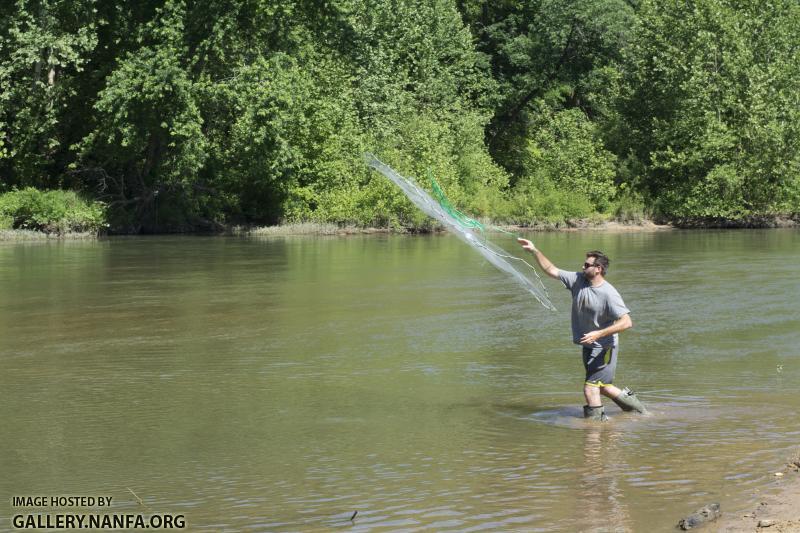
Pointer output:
598, 316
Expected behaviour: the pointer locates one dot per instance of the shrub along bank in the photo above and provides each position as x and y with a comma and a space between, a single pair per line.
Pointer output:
55, 212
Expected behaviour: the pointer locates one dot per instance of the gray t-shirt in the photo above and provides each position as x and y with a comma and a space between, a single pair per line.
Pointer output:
593, 308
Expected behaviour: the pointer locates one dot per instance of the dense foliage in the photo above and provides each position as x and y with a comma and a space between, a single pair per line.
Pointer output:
711, 106
179, 114
50, 211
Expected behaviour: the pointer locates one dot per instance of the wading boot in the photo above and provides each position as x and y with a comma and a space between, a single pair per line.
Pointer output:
594, 413
628, 401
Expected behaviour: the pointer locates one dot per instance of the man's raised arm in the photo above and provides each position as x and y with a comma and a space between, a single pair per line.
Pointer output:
549, 268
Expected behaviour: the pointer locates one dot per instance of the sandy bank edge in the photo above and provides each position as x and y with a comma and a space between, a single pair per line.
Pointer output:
776, 510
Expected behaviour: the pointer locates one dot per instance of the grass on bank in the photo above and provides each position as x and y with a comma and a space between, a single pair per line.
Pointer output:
307, 228
25, 235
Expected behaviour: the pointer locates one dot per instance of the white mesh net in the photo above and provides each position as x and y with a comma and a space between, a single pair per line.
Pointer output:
523, 272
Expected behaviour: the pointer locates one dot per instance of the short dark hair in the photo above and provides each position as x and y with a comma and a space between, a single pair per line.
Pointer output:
599, 259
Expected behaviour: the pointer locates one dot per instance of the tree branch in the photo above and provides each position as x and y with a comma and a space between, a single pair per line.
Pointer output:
515, 109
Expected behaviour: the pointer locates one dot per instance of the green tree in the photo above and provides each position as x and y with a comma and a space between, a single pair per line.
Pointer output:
147, 137
562, 52
567, 172
710, 110
45, 46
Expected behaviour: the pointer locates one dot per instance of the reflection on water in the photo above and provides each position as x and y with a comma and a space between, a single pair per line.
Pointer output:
284, 384
600, 493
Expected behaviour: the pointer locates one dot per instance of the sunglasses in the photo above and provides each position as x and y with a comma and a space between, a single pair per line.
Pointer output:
587, 265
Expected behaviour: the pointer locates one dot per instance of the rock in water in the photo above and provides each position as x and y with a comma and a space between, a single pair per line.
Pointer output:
709, 513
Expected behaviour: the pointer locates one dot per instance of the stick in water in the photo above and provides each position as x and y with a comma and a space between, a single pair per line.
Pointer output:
138, 499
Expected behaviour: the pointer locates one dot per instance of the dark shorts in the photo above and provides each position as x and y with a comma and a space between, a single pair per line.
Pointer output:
600, 364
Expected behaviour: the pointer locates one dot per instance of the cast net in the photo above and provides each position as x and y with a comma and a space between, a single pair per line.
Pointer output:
472, 232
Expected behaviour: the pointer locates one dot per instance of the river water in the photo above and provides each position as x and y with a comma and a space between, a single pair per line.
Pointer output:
285, 383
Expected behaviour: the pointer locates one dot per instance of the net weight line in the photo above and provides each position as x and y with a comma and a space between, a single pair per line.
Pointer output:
464, 228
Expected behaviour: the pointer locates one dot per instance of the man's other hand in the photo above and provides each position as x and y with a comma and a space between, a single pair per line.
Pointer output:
590, 337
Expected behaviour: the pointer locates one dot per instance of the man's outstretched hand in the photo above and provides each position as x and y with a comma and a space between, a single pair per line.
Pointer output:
526, 244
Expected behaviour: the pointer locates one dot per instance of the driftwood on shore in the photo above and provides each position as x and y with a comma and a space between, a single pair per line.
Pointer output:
706, 514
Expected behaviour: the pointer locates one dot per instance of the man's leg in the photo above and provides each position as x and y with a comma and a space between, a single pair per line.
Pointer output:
594, 406
594, 361
592, 395
625, 399
610, 391
599, 371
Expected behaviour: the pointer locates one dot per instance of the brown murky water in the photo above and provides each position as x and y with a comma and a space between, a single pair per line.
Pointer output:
283, 384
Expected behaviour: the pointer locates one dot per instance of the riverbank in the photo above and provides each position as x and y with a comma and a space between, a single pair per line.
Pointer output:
321, 229
328, 229
606, 226
21, 235
307, 228
776, 509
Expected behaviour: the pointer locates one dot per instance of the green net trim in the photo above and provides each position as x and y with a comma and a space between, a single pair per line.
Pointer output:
463, 220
